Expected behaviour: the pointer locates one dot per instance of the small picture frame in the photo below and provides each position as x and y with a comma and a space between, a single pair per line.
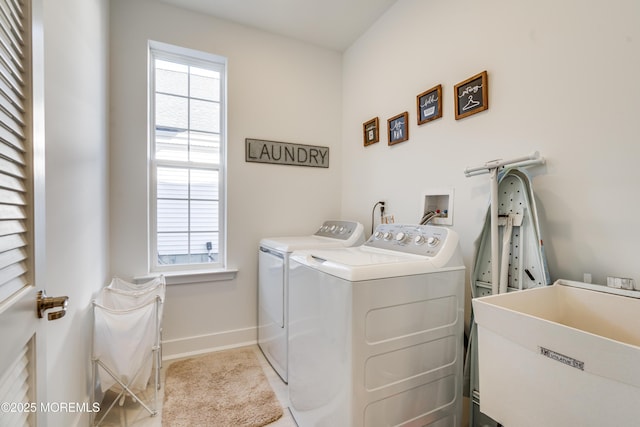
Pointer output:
429, 105
398, 128
371, 131
472, 95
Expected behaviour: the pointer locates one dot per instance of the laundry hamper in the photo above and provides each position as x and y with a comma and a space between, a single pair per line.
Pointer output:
118, 286
126, 344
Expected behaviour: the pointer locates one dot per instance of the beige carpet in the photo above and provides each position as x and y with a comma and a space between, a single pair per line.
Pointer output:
226, 388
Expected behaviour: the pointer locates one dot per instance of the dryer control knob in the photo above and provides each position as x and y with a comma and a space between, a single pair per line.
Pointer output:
401, 237
433, 241
378, 235
419, 240
342, 229
388, 235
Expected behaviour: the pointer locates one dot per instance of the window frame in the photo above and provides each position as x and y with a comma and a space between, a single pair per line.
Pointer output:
186, 56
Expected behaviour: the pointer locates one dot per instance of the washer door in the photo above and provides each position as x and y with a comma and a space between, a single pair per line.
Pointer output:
320, 348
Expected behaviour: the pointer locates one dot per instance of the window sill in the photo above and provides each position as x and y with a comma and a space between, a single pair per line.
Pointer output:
190, 277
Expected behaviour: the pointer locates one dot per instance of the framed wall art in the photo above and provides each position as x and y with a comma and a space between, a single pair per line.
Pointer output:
371, 130
398, 128
429, 105
472, 95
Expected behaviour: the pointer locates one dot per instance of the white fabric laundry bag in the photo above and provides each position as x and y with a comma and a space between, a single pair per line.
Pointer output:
124, 341
118, 283
127, 331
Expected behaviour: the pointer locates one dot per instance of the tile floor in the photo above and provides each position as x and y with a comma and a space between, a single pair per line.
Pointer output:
133, 415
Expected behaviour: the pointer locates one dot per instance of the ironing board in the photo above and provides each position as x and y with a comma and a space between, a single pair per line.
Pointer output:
509, 256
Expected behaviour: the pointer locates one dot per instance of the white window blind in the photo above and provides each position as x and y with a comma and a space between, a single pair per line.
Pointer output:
14, 148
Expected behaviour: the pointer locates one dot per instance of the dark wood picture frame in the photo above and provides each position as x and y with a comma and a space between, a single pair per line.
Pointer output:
371, 131
429, 105
398, 128
472, 95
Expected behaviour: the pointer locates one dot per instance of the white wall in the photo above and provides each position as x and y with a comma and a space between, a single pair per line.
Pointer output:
562, 80
76, 129
278, 89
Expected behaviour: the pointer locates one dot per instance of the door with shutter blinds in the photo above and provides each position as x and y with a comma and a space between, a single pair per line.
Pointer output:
22, 374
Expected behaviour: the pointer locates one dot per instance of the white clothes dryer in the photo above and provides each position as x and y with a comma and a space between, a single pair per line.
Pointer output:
273, 264
376, 331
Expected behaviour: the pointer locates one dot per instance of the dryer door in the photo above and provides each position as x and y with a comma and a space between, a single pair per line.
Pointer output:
270, 288
272, 320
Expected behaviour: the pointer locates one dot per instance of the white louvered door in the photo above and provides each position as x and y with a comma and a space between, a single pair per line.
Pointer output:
22, 363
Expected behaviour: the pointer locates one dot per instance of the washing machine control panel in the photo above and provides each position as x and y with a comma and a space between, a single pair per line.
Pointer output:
342, 230
424, 240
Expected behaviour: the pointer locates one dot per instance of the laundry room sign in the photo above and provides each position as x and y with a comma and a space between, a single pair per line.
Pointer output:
285, 153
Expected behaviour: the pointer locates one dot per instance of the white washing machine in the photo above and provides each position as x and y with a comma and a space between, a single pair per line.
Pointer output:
273, 263
376, 331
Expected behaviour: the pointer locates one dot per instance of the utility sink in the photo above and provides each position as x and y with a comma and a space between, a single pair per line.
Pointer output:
561, 355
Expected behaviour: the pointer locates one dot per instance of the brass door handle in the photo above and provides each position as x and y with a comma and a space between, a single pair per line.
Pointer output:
44, 303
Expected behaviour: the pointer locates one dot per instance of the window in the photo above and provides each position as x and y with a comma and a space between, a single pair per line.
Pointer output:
187, 159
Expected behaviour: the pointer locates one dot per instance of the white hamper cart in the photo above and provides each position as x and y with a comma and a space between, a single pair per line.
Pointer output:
126, 342
158, 285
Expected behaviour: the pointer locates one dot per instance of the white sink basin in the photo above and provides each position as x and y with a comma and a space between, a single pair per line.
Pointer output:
562, 355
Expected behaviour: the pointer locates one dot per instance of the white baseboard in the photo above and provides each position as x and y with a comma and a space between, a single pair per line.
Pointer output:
193, 346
